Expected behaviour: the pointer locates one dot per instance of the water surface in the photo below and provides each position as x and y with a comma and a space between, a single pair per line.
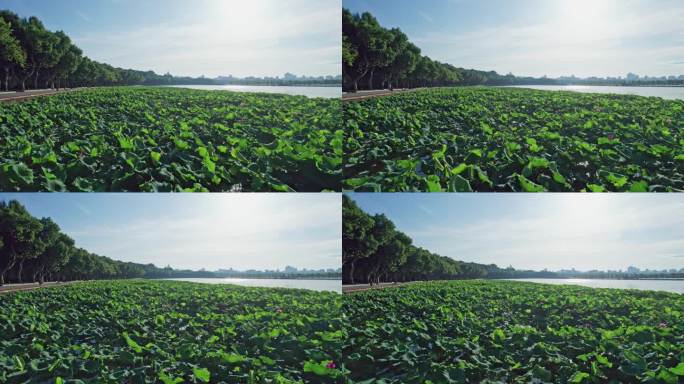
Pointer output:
315, 285
670, 93
676, 286
327, 92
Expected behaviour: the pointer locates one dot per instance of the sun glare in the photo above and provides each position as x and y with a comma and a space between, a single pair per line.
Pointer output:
584, 216
583, 20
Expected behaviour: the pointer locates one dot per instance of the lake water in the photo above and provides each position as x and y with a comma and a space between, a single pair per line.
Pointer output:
676, 286
315, 285
671, 93
327, 92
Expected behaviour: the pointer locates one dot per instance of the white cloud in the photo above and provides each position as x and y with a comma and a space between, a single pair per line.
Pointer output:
83, 16
426, 17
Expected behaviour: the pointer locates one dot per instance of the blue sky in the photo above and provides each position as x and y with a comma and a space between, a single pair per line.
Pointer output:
542, 37
200, 37
537, 231
242, 231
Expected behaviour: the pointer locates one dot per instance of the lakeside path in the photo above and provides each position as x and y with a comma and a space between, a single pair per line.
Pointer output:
366, 287
31, 286
361, 95
18, 96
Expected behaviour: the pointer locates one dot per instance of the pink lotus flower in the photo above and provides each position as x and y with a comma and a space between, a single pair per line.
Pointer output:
611, 136
330, 365
662, 325
279, 310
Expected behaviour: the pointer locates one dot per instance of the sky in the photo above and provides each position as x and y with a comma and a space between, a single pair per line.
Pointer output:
537, 231
200, 37
211, 231
542, 37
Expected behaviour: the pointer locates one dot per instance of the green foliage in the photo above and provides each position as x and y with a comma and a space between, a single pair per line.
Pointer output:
164, 139
497, 139
513, 332
170, 332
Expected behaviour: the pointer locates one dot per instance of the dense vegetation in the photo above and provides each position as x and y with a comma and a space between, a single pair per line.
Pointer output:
513, 332
169, 139
374, 251
500, 139
170, 332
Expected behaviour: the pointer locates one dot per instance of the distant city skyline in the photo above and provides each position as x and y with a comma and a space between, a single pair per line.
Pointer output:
199, 231
542, 38
546, 231
202, 37
629, 269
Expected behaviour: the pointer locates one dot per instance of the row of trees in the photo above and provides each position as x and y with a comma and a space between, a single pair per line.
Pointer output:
31, 56
36, 250
374, 251
33, 250
376, 57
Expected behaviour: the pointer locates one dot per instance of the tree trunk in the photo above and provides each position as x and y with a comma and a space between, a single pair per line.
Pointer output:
23, 85
351, 265
21, 267
4, 271
35, 80
6, 79
370, 79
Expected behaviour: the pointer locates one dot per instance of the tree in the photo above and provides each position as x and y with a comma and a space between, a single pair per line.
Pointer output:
357, 241
19, 231
349, 52
12, 55
371, 40
46, 238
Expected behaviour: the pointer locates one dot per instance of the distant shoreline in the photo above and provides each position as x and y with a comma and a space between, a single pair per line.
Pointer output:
591, 85
260, 85
588, 278
251, 278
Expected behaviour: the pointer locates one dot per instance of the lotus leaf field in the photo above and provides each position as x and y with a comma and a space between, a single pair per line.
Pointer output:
169, 139
501, 139
170, 332
514, 332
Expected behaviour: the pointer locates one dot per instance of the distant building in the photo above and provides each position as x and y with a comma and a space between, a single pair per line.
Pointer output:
632, 269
